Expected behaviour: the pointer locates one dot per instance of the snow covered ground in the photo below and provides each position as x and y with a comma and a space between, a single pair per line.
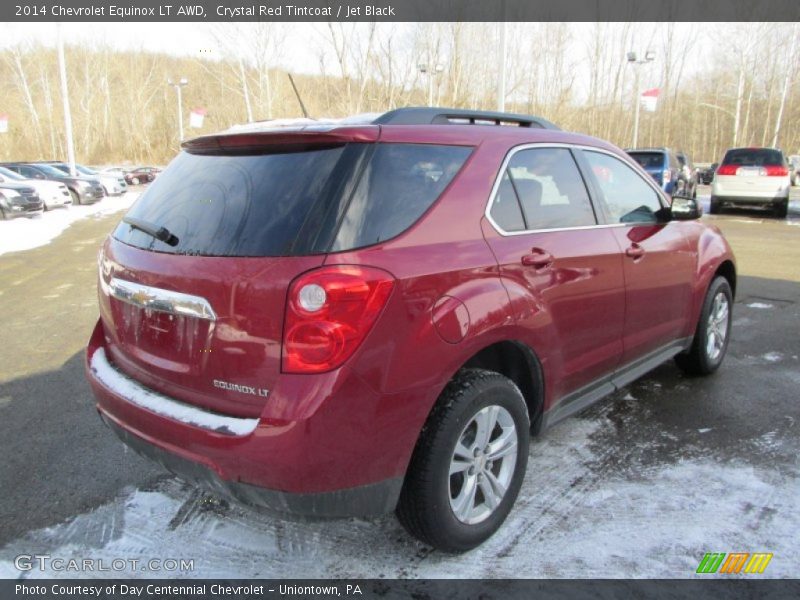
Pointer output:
579, 515
26, 233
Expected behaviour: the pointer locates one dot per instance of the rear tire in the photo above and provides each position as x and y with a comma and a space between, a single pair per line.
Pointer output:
76, 199
3, 215
713, 331
714, 206
469, 463
781, 210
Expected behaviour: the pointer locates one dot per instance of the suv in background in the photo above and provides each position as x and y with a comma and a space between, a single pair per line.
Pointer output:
83, 190
752, 177
52, 193
18, 200
662, 165
113, 185
349, 318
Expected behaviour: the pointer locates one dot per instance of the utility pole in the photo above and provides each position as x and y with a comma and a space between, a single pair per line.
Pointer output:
431, 70
179, 85
635, 62
62, 67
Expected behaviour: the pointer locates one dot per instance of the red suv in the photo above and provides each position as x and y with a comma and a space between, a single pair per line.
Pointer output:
358, 317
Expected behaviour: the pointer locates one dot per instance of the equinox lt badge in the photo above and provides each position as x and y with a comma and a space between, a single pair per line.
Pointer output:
242, 389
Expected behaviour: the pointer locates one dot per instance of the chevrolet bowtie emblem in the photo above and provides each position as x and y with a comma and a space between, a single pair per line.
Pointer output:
142, 297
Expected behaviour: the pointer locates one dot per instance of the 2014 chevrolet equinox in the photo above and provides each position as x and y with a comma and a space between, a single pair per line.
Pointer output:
358, 317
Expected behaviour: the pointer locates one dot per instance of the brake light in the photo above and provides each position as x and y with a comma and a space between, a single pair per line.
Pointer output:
727, 169
776, 171
329, 313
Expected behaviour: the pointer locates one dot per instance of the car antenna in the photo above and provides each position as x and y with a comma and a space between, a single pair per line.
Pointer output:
299, 99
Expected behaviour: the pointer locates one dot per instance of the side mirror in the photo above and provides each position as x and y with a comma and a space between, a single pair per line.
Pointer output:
685, 209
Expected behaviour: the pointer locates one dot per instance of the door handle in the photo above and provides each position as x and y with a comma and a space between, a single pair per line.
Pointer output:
634, 251
538, 259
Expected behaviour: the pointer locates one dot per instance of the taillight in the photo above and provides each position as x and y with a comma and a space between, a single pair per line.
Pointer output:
727, 169
329, 312
776, 171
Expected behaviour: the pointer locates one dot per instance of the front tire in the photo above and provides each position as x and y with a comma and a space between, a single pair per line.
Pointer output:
76, 199
469, 463
713, 331
135, 181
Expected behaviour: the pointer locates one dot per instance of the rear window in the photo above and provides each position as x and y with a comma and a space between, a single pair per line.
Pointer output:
290, 203
753, 157
648, 160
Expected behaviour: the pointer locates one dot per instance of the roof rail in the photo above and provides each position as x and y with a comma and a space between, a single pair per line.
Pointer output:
456, 116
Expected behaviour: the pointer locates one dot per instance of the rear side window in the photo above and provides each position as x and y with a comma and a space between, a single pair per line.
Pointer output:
649, 160
753, 157
400, 182
628, 198
549, 189
291, 202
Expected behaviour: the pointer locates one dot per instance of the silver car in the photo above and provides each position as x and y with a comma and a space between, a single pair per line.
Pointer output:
752, 177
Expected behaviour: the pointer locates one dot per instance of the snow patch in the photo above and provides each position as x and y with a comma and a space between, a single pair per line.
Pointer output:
772, 356
704, 430
759, 305
162, 405
26, 233
576, 517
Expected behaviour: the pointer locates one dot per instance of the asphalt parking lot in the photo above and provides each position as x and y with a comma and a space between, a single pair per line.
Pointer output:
640, 485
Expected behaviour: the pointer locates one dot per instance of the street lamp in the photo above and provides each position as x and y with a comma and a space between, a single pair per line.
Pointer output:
178, 86
431, 71
634, 60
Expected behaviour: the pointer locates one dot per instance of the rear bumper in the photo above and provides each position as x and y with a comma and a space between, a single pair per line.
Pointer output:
342, 452
751, 200
368, 500
761, 190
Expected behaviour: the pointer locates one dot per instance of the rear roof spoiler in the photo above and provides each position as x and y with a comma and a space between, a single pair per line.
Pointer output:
458, 116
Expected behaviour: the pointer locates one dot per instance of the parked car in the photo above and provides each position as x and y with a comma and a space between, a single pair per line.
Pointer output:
139, 175
84, 190
113, 185
752, 177
52, 193
706, 174
661, 164
370, 317
18, 201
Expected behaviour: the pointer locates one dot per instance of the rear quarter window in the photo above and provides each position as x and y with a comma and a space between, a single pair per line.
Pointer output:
399, 184
753, 157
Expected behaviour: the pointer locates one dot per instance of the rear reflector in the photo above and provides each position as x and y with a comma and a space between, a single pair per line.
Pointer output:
329, 313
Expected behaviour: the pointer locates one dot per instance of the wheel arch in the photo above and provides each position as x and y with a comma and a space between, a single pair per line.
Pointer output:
518, 362
727, 270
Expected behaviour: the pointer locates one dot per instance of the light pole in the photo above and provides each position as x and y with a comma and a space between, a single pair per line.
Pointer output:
649, 56
178, 86
431, 71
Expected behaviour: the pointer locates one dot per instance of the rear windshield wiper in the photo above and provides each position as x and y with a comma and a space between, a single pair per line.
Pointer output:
160, 233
